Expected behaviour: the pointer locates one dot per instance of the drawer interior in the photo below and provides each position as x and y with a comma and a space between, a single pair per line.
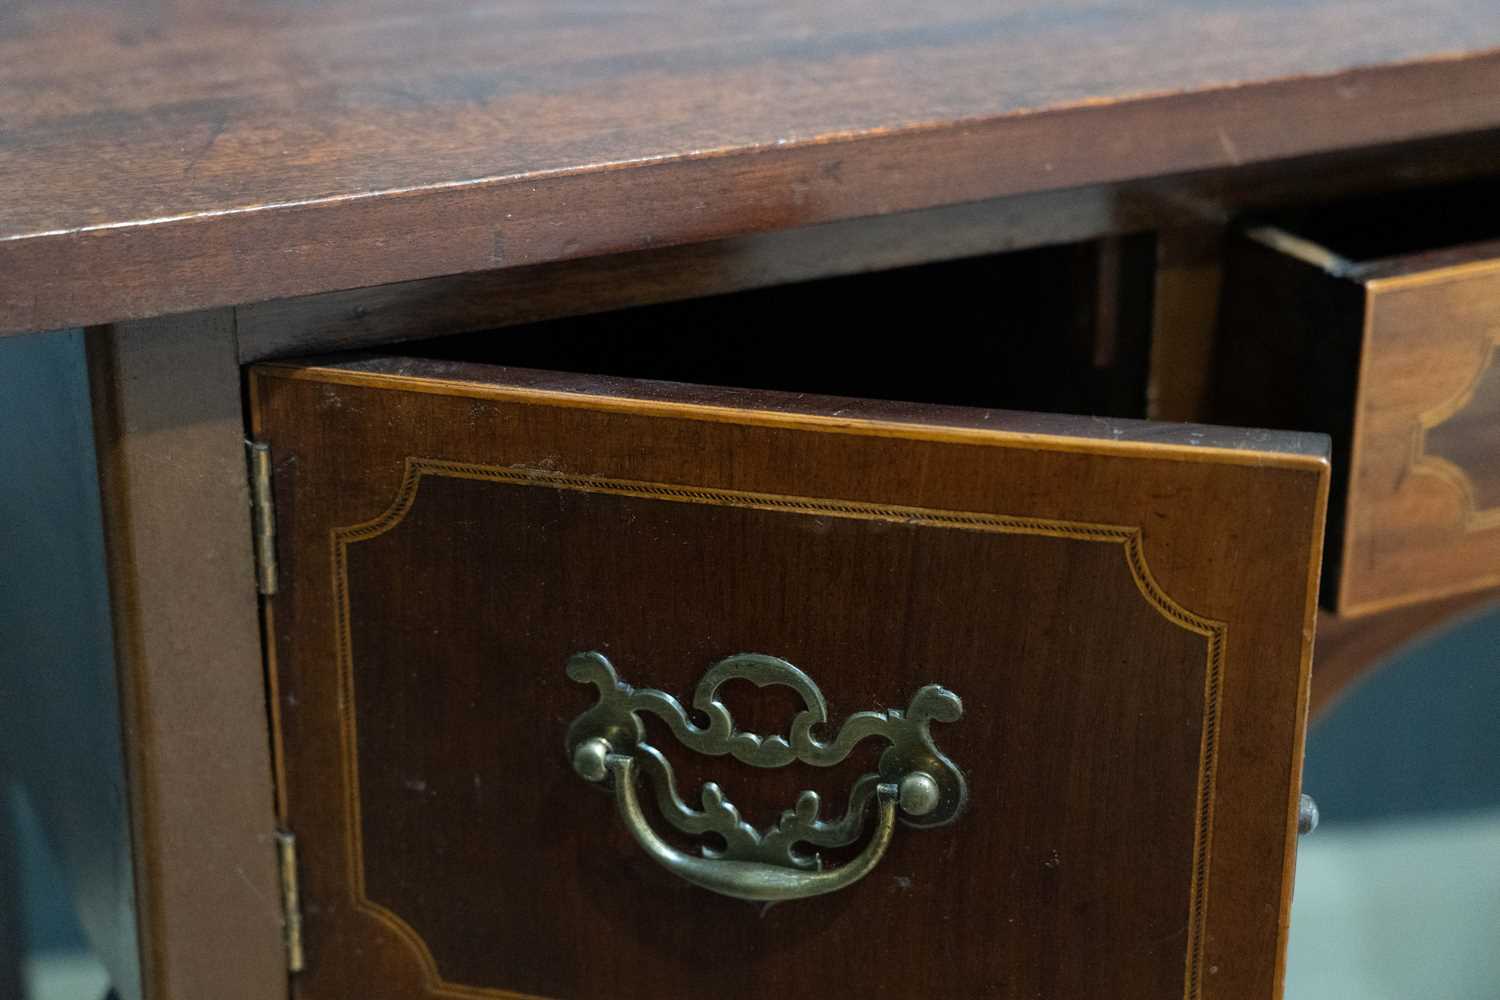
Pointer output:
1060, 329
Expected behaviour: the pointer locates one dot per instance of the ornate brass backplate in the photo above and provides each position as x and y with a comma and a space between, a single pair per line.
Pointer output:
913, 778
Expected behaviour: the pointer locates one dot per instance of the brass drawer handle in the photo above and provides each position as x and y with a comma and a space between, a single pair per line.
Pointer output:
913, 778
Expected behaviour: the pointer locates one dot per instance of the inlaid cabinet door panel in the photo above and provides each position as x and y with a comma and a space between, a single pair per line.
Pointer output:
1046, 675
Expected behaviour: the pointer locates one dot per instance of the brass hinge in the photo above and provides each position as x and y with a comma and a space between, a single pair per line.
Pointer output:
263, 517
291, 904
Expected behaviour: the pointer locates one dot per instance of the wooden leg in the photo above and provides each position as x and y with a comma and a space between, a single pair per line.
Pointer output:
169, 434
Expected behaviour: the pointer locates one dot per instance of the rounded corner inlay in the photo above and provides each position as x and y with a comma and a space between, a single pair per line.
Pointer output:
1446, 436
1129, 538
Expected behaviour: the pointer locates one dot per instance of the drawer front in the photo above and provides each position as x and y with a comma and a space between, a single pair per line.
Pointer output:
1397, 359
1424, 496
466, 554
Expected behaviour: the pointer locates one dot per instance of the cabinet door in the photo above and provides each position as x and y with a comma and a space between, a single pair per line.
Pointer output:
1075, 653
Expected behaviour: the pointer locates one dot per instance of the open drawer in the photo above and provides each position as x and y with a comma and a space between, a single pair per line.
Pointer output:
1080, 647
1378, 321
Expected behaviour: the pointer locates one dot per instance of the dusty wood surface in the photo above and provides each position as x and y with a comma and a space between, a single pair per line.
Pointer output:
160, 159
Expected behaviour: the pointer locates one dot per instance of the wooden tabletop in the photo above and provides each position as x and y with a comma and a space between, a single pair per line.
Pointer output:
158, 156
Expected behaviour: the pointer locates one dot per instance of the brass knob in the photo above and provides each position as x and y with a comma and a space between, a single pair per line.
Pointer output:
920, 794
591, 759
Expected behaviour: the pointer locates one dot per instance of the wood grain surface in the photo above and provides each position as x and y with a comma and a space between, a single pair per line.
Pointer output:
1133, 736
1198, 204
158, 158
171, 454
1424, 501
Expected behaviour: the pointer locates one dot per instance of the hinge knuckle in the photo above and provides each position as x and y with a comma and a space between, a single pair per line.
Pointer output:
291, 903
263, 517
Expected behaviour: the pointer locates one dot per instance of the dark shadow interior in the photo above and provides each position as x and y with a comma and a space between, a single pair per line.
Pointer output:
1402, 222
1062, 329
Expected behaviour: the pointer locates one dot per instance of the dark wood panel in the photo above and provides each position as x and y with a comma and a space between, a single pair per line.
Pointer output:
866, 608
1095, 691
170, 440
174, 158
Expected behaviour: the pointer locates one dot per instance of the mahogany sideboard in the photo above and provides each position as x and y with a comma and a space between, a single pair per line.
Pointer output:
478, 389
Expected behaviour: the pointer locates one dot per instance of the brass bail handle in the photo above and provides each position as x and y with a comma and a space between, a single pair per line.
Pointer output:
914, 781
